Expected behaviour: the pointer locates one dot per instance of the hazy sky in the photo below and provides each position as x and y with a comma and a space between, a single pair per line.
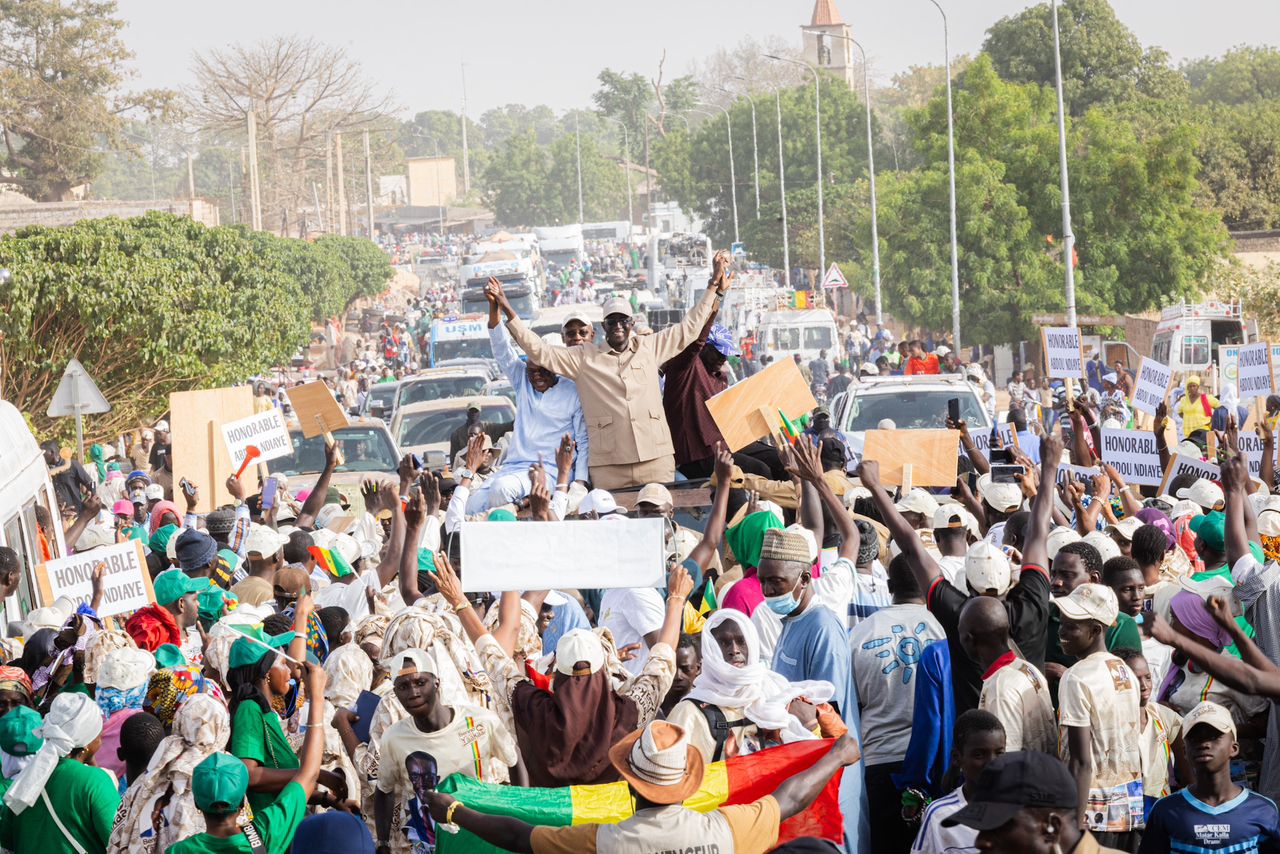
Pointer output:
549, 51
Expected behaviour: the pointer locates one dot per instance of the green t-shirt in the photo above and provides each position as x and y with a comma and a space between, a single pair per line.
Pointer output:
276, 825
257, 735
85, 801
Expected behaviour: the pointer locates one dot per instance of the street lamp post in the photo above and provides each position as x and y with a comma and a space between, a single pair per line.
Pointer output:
782, 191
577, 136
631, 217
1068, 237
733, 180
951, 167
817, 113
871, 169
755, 145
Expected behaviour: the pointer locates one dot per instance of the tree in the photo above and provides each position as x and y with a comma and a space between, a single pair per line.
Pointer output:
515, 182
1103, 63
1257, 287
625, 97
300, 92
1244, 74
1239, 149
501, 123
604, 189
62, 68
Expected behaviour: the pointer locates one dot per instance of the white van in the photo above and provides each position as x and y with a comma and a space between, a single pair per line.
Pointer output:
807, 332
1188, 336
24, 485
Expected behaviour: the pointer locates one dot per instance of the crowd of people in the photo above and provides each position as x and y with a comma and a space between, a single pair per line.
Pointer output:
1037, 663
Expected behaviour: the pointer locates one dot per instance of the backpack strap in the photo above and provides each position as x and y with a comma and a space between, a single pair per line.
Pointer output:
255, 839
719, 725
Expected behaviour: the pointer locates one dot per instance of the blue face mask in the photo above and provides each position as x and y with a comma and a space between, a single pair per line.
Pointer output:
781, 605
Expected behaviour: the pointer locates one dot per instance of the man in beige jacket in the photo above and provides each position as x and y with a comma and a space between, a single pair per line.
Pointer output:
618, 383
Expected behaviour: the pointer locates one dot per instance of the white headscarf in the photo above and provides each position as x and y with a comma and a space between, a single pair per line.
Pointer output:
762, 694
350, 671
73, 721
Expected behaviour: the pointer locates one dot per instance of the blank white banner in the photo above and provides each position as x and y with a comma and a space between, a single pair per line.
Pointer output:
566, 555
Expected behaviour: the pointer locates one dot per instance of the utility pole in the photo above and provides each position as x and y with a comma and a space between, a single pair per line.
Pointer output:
368, 182
342, 187
191, 177
315, 197
255, 198
1068, 236
577, 135
328, 182
231, 188
782, 188
466, 152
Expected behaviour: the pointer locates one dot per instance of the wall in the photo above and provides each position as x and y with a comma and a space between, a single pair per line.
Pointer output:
433, 181
54, 214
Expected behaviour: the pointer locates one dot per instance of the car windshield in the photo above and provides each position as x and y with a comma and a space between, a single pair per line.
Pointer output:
475, 348
363, 449
430, 428
440, 388
908, 409
817, 337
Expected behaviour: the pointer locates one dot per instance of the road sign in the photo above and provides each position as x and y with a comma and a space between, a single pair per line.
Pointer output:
77, 395
834, 278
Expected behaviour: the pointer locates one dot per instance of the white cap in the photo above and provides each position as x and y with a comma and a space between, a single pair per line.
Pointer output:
1189, 449
1212, 714
1205, 493
579, 645
162, 426
125, 668
1089, 602
1269, 516
411, 661
655, 494
1059, 537
1110, 377
598, 501
155, 492
327, 514
348, 547
955, 516
263, 541
987, 569
1184, 508
886, 424
1005, 497
44, 618
1107, 548
941, 350
918, 501
1126, 527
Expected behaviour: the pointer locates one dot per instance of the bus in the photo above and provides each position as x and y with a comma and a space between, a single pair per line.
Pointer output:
518, 280
460, 338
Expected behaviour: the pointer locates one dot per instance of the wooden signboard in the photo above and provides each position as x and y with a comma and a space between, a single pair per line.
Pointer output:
748, 410
199, 451
931, 454
316, 409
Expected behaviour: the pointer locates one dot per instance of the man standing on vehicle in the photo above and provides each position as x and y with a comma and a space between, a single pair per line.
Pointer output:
618, 383
820, 369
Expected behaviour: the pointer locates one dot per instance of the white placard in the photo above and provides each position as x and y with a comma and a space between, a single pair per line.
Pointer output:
1134, 456
1080, 474
1251, 448
266, 430
1186, 465
1063, 353
595, 554
1151, 386
126, 583
982, 440
1253, 371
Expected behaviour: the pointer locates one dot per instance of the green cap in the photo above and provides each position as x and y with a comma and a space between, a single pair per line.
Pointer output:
245, 651
159, 541
500, 514
219, 783
17, 731
171, 585
1212, 528
212, 599
168, 655
426, 561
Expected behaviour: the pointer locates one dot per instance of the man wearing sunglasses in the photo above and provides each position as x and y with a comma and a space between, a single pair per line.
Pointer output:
630, 442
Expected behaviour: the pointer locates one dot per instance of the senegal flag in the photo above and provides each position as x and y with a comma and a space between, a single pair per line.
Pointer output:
739, 780
709, 603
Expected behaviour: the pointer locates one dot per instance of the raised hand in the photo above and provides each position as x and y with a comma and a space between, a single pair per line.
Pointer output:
476, 451
724, 465
564, 453
539, 495
806, 462
869, 473
447, 581
429, 483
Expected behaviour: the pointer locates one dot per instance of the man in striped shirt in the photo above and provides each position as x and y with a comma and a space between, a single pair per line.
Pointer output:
979, 738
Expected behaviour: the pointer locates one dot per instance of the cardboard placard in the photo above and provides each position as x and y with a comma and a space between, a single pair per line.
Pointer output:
1152, 386
1063, 353
748, 410
1081, 474
930, 453
490, 549
126, 583
1186, 465
1008, 435
1133, 454
1251, 448
316, 409
199, 452
1253, 371
266, 431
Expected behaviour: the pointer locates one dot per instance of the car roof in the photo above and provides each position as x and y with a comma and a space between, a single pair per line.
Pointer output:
919, 382
453, 403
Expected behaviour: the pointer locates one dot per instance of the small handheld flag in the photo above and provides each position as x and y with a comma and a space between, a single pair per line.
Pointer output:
789, 429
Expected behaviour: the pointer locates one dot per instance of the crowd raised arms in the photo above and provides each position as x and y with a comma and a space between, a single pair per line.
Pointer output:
667, 594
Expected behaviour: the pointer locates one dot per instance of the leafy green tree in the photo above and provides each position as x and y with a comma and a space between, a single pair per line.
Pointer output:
63, 66
1239, 149
515, 183
604, 189
1102, 60
1244, 74
625, 97
501, 123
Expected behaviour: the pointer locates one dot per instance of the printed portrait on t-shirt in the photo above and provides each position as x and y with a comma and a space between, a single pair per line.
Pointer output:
423, 776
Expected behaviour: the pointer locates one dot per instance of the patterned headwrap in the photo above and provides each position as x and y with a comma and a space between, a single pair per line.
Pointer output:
99, 646
112, 700
15, 679
170, 687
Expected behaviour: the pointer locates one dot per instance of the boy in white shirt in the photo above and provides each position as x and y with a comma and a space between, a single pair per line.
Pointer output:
979, 738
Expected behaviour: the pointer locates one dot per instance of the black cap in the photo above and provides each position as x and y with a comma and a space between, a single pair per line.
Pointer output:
1013, 782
